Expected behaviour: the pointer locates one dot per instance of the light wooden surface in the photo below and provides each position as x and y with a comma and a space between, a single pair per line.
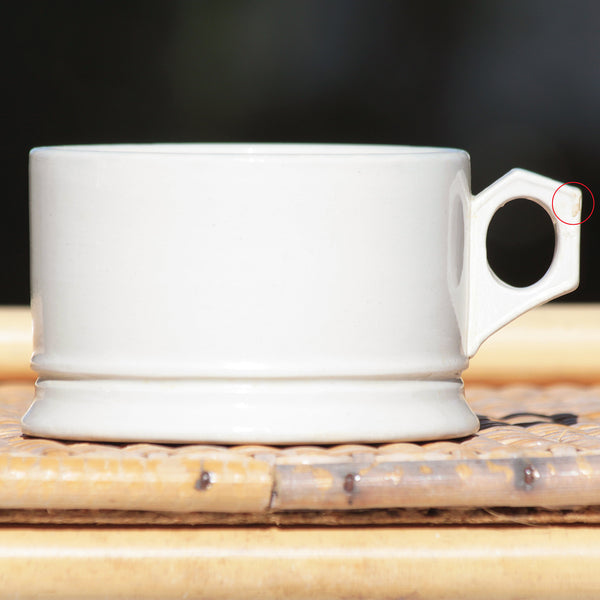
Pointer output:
16, 341
556, 342
300, 564
550, 344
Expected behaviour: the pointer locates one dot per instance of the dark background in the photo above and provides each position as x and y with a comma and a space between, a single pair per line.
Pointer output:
516, 83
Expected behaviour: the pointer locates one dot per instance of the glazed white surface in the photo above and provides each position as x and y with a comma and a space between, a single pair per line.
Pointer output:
250, 411
216, 265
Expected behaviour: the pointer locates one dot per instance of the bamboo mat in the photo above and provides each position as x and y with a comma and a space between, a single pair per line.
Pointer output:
537, 454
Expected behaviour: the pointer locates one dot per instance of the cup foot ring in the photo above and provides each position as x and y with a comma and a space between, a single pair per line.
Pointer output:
249, 411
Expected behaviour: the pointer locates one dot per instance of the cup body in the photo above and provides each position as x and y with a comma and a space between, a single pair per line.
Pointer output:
233, 261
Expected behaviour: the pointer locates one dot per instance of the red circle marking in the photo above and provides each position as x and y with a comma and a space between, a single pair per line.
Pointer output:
593, 202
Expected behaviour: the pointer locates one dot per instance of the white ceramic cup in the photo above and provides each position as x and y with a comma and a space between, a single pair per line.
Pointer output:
268, 293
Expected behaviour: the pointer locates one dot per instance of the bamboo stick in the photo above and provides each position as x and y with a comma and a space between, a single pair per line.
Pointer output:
507, 563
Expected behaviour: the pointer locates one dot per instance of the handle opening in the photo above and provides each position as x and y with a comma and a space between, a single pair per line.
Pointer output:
520, 242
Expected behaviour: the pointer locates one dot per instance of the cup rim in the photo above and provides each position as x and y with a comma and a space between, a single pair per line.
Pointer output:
250, 149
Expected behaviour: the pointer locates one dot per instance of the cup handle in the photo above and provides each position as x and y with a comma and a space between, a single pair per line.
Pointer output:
493, 303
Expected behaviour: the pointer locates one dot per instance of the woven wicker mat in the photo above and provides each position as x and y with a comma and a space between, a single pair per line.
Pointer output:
535, 460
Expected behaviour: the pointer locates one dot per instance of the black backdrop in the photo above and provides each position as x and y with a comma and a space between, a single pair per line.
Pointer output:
514, 82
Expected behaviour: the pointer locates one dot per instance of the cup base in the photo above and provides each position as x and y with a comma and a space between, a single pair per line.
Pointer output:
285, 411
